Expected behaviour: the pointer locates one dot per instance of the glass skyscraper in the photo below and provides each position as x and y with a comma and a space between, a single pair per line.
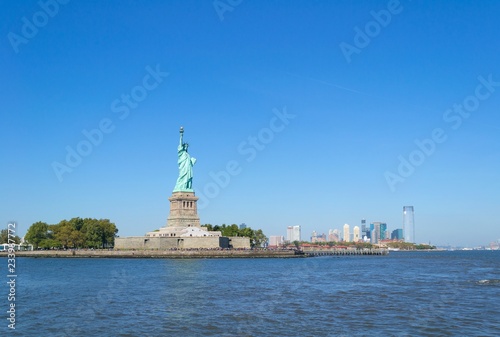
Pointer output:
378, 231
409, 224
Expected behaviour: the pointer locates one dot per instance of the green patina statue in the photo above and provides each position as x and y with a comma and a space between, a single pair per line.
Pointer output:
185, 162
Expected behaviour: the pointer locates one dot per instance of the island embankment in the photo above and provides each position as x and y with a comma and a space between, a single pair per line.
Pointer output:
171, 254
195, 253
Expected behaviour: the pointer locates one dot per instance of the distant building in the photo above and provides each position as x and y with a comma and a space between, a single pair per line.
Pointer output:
365, 230
347, 234
318, 238
397, 234
243, 226
293, 233
356, 234
276, 241
289, 233
333, 235
374, 233
378, 231
409, 224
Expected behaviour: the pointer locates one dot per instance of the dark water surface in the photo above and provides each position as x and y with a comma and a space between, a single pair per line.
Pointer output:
403, 294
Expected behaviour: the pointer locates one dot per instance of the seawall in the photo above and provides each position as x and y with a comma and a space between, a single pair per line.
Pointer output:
170, 254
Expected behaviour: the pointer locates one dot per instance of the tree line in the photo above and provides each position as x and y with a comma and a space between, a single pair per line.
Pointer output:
74, 233
409, 246
256, 236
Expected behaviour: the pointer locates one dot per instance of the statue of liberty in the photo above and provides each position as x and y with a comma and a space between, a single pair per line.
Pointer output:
185, 162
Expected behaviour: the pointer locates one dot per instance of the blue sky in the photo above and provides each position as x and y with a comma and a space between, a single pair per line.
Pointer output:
232, 67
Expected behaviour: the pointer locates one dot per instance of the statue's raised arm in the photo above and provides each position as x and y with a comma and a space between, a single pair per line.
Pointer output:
181, 138
185, 162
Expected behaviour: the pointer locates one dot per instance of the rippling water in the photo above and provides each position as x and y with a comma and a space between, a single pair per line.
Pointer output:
403, 294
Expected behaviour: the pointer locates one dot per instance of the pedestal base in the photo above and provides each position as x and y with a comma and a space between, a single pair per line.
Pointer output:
183, 210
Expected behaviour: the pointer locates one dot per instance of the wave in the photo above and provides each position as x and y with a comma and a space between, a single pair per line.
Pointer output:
489, 282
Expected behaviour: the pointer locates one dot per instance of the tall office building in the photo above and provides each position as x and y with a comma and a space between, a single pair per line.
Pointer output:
378, 231
356, 234
409, 224
347, 233
384, 233
397, 234
365, 230
375, 232
293, 233
296, 233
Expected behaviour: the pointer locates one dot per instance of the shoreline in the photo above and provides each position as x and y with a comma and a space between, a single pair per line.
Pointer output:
194, 253
169, 254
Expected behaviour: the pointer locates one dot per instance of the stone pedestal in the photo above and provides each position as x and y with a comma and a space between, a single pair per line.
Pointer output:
183, 210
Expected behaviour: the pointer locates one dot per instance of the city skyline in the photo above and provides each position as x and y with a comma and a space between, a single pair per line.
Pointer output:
309, 113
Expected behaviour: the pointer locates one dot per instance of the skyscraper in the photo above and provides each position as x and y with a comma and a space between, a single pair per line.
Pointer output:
347, 234
397, 234
356, 234
363, 226
375, 232
408, 224
378, 231
293, 233
365, 230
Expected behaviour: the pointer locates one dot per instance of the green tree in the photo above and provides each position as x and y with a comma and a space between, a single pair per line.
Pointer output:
50, 244
424, 246
99, 233
77, 239
109, 232
258, 238
63, 232
36, 233
76, 223
92, 232
4, 237
232, 230
208, 226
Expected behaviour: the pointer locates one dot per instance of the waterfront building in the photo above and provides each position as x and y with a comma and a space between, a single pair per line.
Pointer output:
356, 234
365, 230
397, 234
375, 233
333, 235
384, 233
293, 233
276, 241
347, 234
318, 238
378, 231
289, 233
409, 224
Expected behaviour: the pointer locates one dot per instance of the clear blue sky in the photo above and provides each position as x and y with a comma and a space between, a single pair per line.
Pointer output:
354, 113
